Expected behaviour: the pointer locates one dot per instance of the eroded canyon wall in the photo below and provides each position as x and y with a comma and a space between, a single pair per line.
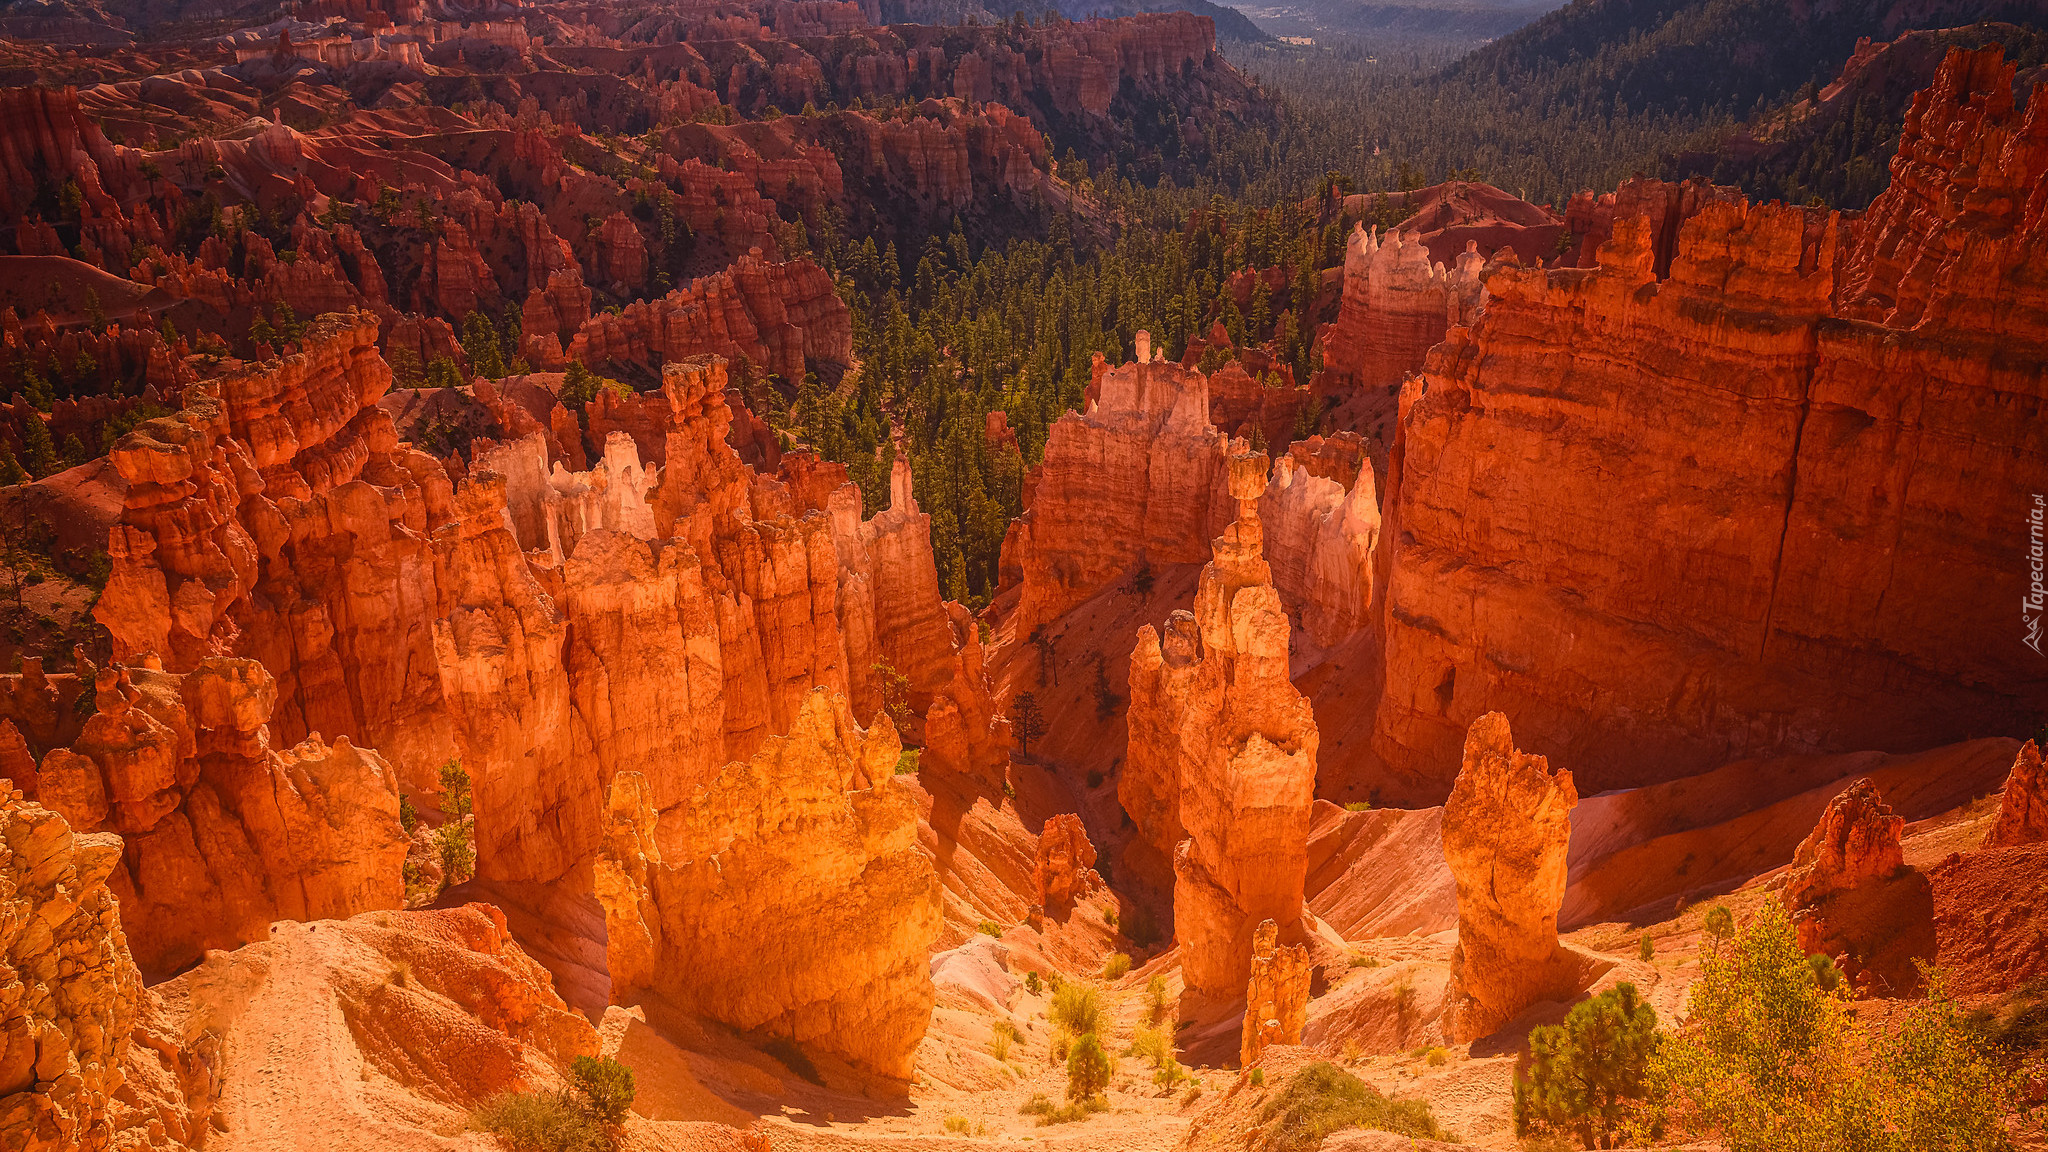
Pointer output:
664, 612
789, 894
1769, 504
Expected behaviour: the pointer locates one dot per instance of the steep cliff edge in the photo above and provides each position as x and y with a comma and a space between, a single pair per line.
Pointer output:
1760, 503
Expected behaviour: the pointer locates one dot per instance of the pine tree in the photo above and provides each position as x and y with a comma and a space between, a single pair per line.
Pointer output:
39, 456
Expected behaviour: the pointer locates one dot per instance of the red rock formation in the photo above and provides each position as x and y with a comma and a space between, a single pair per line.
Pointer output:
1242, 755
1276, 998
1137, 479
68, 989
1844, 593
1396, 306
1856, 843
1664, 204
776, 315
1506, 832
2022, 807
1852, 897
222, 832
789, 895
1066, 863
1321, 534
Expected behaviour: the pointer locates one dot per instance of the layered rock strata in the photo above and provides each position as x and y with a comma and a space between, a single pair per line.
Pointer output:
1506, 834
1223, 746
1137, 479
789, 896
1822, 573
664, 612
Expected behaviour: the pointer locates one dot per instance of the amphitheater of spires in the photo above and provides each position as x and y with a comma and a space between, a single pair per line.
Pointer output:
1616, 565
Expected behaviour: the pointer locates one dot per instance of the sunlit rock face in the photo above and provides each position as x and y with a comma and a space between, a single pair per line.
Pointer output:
1758, 506
1506, 833
1223, 755
788, 895
220, 831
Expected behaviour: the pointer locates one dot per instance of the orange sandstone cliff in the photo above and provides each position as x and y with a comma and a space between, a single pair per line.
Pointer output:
1763, 505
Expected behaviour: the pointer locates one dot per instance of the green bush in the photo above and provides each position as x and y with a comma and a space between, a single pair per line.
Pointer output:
1646, 948
606, 1085
1767, 1060
1116, 966
1087, 1068
1590, 1075
1323, 1098
1077, 1007
1719, 924
541, 1122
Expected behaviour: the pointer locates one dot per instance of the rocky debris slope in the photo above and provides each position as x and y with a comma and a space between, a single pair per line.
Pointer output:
68, 990
385, 1029
788, 896
1535, 494
222, 832
1223, 756
1506, 833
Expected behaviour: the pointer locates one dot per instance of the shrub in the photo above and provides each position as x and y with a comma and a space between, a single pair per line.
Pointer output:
1077, 1008
906, 762
957, 1125
1435, 1055
1032, 983
1359, 806
541, 1122
991, 928
1061, 1043
1766, 1060
1590, 1075
1116, 967
606, 1085
999, 1046
1154, 1044
1169, 1073
1258, 1077
1719, 924
1646, 948
1323, 1098
1155, 999
1087, 1068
